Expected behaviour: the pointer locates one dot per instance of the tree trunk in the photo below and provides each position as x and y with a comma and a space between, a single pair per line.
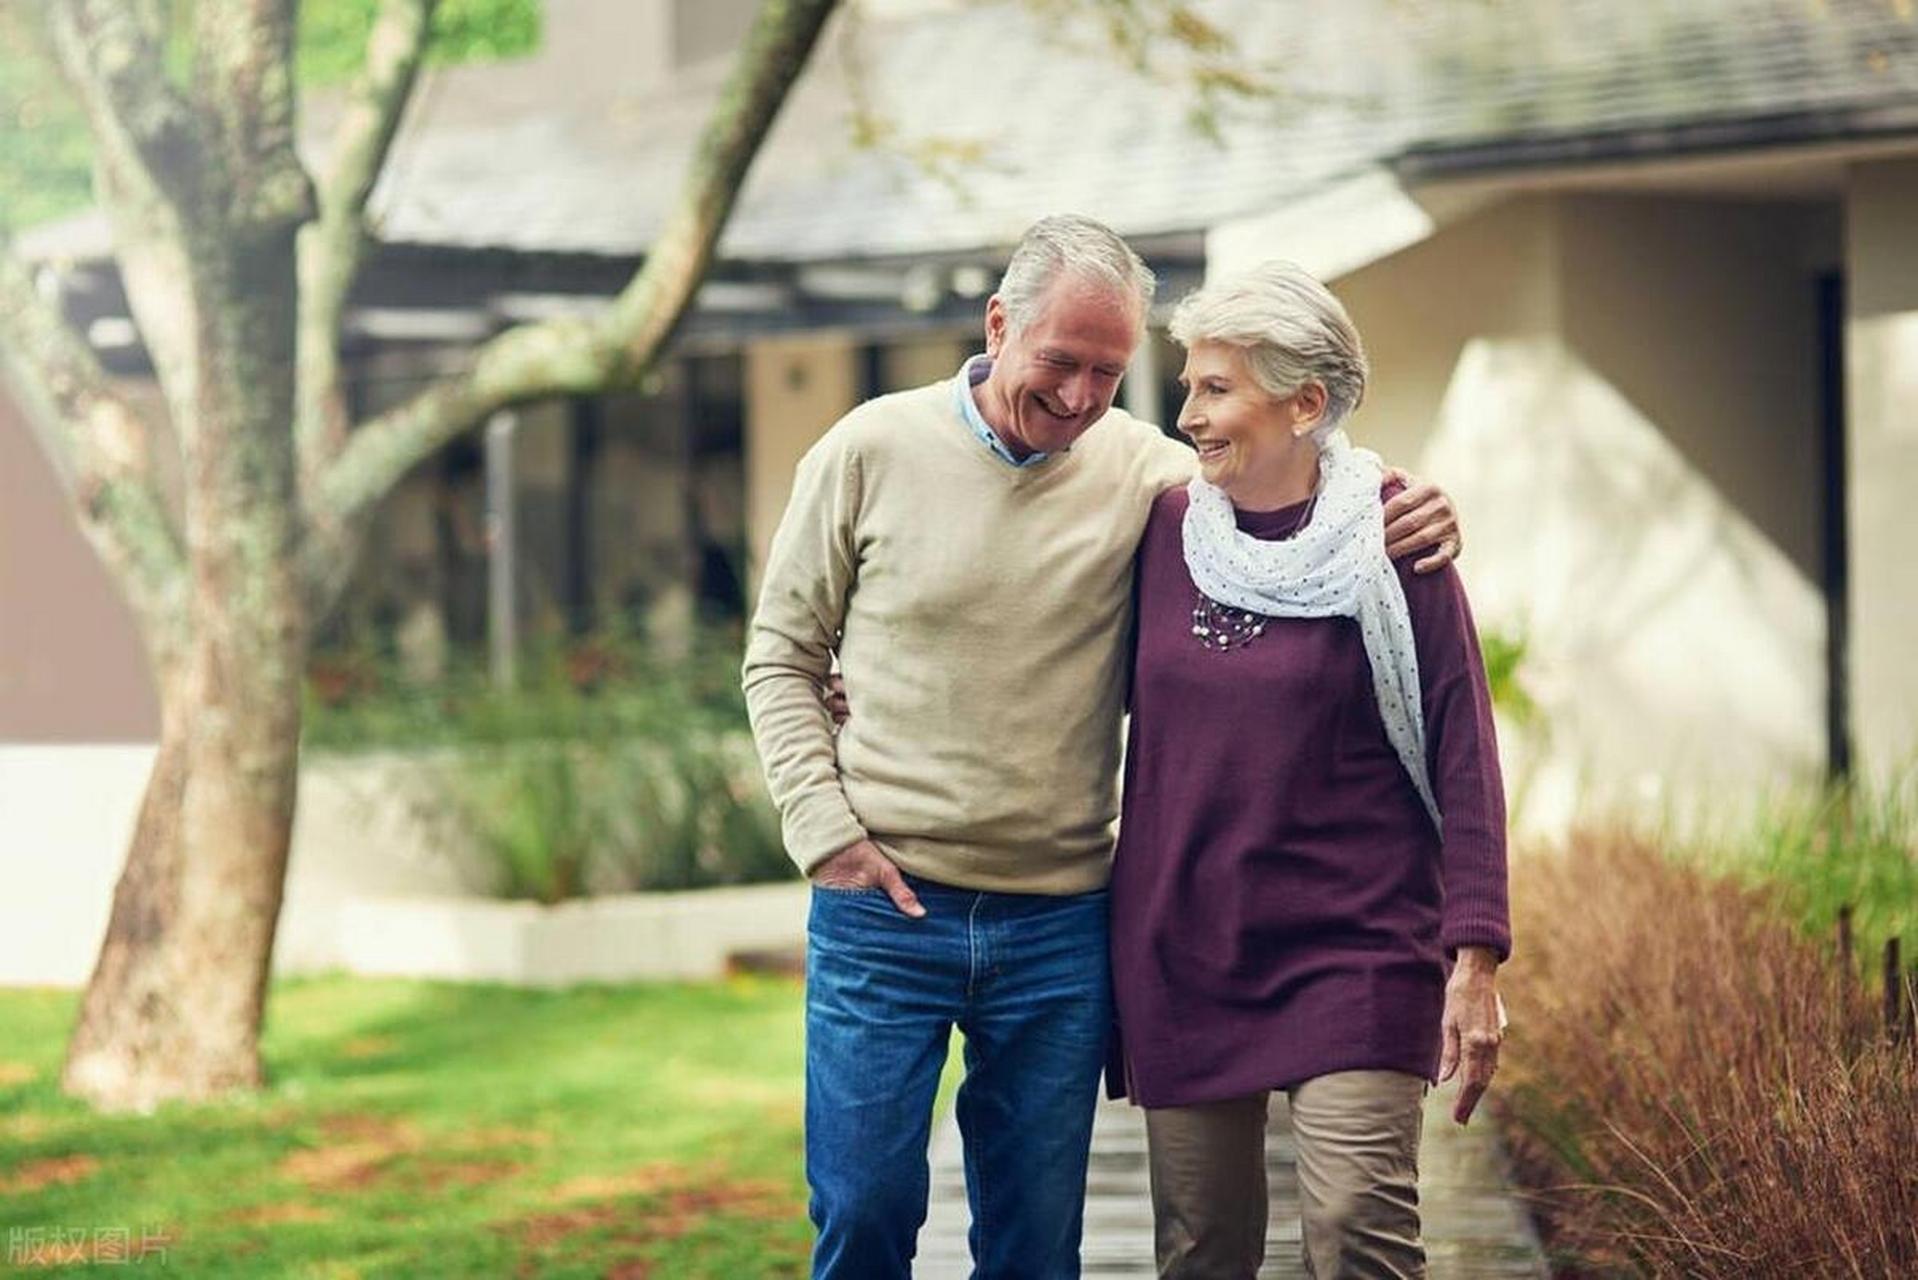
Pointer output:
207, 198
174, 1006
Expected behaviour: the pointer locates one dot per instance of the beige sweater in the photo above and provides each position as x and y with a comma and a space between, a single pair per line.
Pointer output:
981, 615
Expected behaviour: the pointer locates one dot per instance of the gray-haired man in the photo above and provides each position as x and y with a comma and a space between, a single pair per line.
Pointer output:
965, 549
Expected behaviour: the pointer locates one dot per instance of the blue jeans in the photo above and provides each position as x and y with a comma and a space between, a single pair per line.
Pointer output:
1024, 977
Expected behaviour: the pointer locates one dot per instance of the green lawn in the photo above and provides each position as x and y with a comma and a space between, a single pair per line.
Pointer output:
432, 1129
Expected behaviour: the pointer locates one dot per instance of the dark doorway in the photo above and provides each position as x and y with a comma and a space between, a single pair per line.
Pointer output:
1831, 426
589, 417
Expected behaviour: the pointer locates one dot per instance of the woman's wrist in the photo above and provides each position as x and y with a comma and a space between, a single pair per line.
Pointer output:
1476, 962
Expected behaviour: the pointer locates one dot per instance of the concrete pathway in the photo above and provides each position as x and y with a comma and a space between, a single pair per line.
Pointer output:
1474, 1228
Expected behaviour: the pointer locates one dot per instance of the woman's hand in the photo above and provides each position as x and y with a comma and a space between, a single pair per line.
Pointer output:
1473, 1026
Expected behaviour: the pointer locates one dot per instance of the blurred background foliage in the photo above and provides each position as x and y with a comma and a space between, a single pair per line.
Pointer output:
1504, 654
44, 149
1851, 848
608, 766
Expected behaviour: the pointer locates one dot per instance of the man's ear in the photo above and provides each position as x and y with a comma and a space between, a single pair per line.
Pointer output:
995, 325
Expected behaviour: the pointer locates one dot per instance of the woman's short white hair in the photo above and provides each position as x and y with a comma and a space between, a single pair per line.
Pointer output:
1292, 330
1068, 243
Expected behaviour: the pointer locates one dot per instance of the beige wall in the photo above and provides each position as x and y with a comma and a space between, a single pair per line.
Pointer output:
795, 389
1881, 388
1490, 276
926, 359
1701, 313
1619, 394
71, 665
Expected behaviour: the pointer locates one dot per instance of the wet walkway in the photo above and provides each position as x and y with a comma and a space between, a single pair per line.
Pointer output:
1474, 1228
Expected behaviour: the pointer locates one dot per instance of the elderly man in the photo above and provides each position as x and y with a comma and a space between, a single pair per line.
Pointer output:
965, 549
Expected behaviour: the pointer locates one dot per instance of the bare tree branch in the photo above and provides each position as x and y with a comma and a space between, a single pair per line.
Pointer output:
146, 151
114, 53
575, 356
331, 247
776, 51
101, 452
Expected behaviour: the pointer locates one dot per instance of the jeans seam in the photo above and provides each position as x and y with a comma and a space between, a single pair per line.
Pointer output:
972, 946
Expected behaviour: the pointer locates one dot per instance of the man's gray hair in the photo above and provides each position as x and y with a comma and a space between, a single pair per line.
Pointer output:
1292, 330
1069, 244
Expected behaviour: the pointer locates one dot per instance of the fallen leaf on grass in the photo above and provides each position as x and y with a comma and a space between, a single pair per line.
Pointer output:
289, 1211
360, 1148
349, 1164
360, 1126
645, 1180
681, 1211
499, 1136
546, 1229
55, 1171
437, 1174
661, 1203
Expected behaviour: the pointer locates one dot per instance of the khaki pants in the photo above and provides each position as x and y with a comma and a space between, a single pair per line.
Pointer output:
1357, 1134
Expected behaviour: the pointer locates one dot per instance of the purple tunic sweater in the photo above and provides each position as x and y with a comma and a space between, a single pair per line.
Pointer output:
1281, 905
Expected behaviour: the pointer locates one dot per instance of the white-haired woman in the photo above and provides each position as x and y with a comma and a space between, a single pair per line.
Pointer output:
1309, 889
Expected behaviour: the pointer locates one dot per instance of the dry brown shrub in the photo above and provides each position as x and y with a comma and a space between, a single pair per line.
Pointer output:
1692, 1084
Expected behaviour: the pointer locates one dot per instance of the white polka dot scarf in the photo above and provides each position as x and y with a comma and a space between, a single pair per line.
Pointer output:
1335, 567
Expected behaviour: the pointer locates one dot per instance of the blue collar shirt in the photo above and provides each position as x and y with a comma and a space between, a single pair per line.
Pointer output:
971, 374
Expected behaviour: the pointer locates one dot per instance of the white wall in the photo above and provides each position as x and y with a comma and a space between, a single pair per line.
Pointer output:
67, 812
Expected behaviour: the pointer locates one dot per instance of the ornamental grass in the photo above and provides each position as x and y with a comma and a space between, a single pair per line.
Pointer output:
1694, 1087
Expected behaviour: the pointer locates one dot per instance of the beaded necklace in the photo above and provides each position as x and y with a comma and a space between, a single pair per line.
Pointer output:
1222, 628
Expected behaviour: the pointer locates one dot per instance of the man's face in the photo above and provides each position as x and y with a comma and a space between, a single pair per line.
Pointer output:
1055, 377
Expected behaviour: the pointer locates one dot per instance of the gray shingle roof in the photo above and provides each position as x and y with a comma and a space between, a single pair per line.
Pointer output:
1360, 81
540, 157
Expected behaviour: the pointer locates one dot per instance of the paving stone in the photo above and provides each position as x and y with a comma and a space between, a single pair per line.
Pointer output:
1475, 1227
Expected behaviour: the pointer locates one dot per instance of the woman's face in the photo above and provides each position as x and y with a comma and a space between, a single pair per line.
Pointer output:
1247, 438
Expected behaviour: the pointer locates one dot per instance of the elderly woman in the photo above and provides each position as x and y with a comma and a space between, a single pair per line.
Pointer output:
1309, 889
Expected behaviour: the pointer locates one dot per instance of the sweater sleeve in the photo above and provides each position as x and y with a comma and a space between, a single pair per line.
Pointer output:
809, 574
1461, 751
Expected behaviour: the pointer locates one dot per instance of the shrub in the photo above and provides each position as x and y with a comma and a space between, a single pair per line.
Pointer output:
1692, 1084
607, 769
1853, 849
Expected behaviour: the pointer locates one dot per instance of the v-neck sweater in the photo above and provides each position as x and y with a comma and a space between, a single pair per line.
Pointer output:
980, 614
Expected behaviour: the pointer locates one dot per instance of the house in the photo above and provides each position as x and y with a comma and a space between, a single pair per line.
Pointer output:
1639, 281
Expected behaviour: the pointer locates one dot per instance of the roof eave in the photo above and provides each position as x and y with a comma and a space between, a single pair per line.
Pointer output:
1668, 140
